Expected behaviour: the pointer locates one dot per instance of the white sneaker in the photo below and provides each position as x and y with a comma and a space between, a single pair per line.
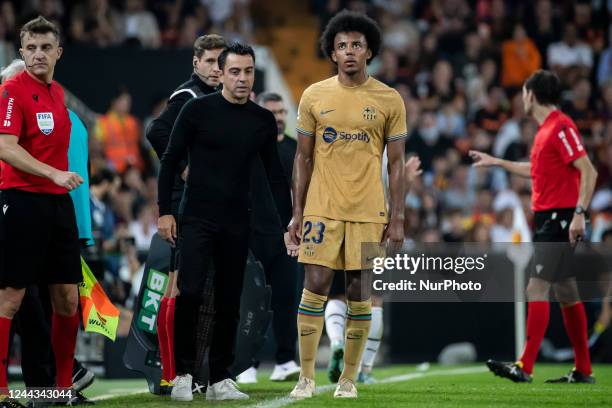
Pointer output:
225, 390
303, 389
248, 376
181, 391
345, 389
288, 371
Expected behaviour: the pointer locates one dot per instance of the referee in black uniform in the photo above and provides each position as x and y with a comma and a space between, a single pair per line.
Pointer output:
223, 133
204, 81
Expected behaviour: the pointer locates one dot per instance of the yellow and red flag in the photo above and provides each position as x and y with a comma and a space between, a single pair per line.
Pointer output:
99, 313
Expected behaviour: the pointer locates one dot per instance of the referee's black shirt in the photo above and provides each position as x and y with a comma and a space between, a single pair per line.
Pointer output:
222, 140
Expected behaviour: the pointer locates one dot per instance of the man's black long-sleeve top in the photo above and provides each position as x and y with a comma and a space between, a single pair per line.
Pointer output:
222, 140
158, 133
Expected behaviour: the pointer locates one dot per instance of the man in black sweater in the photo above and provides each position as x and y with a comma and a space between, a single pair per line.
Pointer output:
223, 134
204, 80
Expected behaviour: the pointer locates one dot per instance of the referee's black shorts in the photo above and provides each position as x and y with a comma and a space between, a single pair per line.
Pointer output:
553, 254
39, 236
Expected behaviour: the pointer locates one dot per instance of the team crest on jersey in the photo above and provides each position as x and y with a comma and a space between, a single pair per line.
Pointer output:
45, 122
369, 113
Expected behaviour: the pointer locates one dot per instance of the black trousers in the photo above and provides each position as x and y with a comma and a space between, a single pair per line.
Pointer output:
32, 323
202, 240
281, 275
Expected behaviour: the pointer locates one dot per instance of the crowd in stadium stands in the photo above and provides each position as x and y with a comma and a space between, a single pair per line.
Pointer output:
458, 64
150, 24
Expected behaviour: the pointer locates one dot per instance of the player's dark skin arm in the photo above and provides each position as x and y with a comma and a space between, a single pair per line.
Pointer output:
302, 172
394, 232
317, 278
588, 177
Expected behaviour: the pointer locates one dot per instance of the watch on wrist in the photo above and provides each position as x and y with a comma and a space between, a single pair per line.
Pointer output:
580, 210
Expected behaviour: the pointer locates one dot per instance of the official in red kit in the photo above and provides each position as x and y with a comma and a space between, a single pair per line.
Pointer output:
563, 180
38, 228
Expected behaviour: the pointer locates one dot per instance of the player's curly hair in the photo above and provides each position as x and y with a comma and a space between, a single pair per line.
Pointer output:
346, 21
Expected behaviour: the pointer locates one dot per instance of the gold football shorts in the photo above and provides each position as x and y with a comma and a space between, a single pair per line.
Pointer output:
338, 244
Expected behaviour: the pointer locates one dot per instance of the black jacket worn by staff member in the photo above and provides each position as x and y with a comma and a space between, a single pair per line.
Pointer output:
222, 140
158, 133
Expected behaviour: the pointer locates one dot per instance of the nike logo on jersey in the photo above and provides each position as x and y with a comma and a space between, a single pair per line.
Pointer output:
324, 112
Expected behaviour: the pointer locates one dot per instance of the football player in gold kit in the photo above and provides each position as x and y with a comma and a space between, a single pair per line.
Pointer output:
344, 124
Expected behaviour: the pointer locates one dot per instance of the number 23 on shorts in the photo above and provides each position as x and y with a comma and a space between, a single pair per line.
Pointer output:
313, 232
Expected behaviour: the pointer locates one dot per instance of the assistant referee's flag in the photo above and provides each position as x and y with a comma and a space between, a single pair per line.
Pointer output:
99, 313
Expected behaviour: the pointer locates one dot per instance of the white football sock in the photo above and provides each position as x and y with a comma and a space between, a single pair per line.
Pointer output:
335, 318
374, 338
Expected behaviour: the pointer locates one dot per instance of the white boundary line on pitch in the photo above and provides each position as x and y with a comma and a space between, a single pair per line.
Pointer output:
283, 401
119, 394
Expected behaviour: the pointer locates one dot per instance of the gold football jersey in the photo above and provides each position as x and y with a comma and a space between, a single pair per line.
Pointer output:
351, 126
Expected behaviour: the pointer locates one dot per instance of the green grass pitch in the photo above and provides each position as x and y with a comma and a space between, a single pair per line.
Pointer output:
399, 386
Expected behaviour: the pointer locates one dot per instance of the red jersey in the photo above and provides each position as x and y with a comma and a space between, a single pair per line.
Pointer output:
555, 181
34, 112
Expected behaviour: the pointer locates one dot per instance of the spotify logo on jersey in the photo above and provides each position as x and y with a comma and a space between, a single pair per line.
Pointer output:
329, 135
